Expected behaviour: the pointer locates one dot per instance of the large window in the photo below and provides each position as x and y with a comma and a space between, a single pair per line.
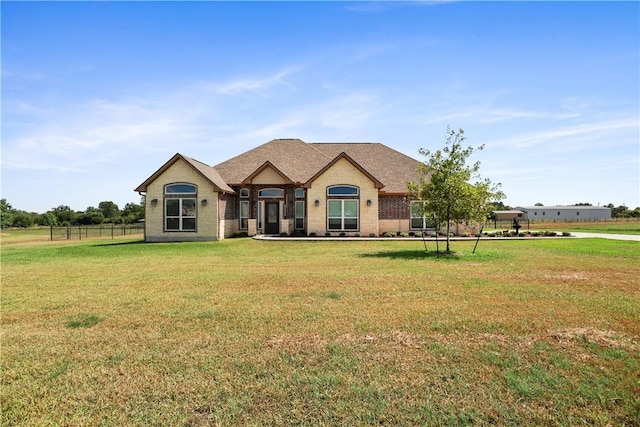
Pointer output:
342, 215
180, 207
342, 208
418, 218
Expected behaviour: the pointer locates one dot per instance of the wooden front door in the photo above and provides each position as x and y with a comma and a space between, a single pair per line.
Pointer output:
272, 218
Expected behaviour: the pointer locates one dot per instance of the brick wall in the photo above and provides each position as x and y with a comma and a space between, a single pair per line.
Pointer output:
393, 207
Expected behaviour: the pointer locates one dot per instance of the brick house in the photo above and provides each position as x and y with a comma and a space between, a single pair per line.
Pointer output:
284, 185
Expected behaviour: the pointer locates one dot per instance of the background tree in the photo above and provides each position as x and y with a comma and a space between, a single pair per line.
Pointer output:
23, 219
64, 215
110, 211
6, 214
91, 216
450, 189
132, 213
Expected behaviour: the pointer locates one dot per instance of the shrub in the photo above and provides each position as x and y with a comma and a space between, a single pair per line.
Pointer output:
492, 234
418, 234
283, 234
550, 233
372, 234
536, 233
389, 234
465, 235
327, 234
342, 234
404, 234
566, 234
356, 234
312, 234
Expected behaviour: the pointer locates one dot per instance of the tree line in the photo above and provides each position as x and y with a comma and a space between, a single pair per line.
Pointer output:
106, 212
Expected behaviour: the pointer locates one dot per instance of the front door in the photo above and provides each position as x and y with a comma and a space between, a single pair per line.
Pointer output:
272, 218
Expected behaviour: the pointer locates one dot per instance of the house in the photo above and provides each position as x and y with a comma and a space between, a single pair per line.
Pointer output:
283, 186
565, 213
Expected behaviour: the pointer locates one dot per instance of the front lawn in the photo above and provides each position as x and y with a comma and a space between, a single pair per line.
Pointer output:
524, 332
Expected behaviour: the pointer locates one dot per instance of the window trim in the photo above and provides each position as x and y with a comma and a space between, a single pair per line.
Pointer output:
425, 221
240, 217
342, 216
188, 194
260, 214
331, 191
278, 190
296, 217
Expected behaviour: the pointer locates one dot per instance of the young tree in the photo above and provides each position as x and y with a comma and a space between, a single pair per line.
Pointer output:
450, 190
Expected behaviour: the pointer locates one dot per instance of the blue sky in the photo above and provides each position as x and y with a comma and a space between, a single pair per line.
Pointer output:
97, 96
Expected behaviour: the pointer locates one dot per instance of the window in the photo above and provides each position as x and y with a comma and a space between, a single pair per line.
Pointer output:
299, 193
244, 193
342, 214
244, 214
260, 204
180, 207
342, 190
418, 219
271, 192
299, 215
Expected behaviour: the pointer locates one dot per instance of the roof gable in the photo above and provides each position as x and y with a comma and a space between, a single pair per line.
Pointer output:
293, 158
266, 166
206, 171
344, 156
392, 168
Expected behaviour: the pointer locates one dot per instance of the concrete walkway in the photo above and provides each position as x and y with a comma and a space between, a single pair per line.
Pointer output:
442, 239
606, 236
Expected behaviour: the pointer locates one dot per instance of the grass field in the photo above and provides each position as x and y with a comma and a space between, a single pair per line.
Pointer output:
244, 332
618, 226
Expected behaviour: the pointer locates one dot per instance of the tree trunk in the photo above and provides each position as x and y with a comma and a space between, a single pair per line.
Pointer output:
448, 228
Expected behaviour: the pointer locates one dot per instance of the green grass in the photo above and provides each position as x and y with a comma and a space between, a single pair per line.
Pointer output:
532, 332
618, 226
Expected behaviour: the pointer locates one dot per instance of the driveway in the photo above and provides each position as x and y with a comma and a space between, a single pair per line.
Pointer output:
606, 236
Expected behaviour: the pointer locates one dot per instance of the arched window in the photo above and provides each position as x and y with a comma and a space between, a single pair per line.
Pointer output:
180, 207
343, 208
271, 192
244, 193
342, 190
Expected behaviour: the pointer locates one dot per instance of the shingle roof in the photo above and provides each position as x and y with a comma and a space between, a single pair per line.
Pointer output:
389, 166
205, 170
293, 157
300, 161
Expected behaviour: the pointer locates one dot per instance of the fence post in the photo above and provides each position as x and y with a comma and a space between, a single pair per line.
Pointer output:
51, 231
111, 231
80, 232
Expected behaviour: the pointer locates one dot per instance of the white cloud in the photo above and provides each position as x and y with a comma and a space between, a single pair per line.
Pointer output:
584, 131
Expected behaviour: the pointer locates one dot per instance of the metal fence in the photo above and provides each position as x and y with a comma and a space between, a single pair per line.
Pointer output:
94, 231
526, 224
